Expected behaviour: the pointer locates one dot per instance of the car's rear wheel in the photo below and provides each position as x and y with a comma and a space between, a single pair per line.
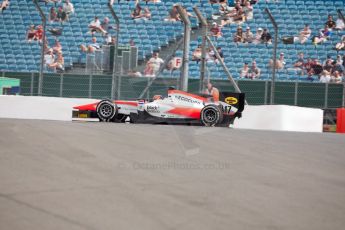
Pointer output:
211, 115
106, 110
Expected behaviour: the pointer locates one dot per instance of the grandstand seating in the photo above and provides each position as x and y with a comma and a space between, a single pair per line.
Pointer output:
16, 54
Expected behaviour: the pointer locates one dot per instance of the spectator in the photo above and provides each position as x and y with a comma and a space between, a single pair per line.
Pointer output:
223, 7
173, 15
330, 23
248, 36
49, 57
258, 35
38, 33
325, 77
57, 48
136, 13
238, 16
95, 26
266, 37
239, 36
4, 5
340, 45
196, 56
254, 71
216, 30
58, 62
304, 34
316, 68
248, 11
212, 91
308, 65
339, 60
149, 71
299, 64
131, 42
155, 62
324, 35
328, 66
52, 15
68, 7
30, 35
220, 51
61, 15
339, 24
280, 63
244, 72
147, 14
92, 47
336, 77
134, 73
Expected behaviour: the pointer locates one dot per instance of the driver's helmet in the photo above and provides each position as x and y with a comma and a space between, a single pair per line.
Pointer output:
157, 97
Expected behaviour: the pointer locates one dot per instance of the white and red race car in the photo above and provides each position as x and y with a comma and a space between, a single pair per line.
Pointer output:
178, 107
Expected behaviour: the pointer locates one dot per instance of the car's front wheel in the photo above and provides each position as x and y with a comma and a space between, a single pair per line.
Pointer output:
106, 110
211, 115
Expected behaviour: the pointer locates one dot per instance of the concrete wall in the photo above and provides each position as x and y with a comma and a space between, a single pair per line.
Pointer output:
276, 117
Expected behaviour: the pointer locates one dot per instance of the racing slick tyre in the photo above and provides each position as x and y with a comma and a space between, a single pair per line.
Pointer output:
106, 110
211, 115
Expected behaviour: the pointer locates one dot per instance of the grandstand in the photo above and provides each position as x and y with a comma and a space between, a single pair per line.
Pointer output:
16, 54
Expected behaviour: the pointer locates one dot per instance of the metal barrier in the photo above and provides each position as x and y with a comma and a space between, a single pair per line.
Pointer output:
305, 94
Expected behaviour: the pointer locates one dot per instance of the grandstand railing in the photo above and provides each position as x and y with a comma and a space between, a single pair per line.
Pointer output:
317, 95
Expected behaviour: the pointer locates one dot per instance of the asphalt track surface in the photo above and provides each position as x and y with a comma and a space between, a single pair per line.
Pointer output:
67, 175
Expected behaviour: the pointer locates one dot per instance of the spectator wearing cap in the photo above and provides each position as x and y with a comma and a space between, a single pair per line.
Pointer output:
58, 63
239, 36
304, 34
258, 35
215, 30
266, 37
248, 36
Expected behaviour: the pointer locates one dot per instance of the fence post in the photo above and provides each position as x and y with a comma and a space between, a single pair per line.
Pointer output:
32, 84
296, 93
90, 85
326, 96
266, 89
61, 84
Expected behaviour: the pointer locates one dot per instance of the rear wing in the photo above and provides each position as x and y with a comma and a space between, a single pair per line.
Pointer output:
236, 100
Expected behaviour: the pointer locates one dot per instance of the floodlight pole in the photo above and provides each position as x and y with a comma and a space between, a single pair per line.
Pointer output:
44, 42
204, 27
273, 83
115, 87
186, 48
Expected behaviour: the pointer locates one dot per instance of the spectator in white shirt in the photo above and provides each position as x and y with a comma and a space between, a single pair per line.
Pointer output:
95, 26
91, 47
325, 77
304, 34
68, 7
339, 24
155, 62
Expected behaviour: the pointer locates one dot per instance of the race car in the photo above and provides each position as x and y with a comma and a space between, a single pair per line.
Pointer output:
178, 107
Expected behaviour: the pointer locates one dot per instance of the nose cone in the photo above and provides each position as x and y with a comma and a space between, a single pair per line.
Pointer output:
88, 107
